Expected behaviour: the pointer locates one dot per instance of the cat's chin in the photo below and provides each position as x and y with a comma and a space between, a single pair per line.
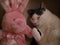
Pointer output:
36, 25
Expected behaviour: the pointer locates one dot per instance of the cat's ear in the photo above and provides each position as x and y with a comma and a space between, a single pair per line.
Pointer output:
43, 7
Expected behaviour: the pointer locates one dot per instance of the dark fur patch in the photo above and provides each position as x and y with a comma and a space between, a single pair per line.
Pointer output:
38, 11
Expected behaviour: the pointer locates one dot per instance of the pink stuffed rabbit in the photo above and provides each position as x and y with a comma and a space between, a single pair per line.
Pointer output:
14, 27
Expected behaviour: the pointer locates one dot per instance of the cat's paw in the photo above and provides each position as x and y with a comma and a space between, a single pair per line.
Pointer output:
36, 34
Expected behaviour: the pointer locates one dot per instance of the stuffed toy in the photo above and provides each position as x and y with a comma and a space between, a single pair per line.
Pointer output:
48, 25
14, 27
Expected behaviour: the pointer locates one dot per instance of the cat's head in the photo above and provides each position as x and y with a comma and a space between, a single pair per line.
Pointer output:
35, 14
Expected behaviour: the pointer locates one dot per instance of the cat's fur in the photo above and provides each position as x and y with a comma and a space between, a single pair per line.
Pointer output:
49, 26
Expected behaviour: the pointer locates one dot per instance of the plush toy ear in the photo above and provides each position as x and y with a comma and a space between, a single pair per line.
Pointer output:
14, 4
43, 7
6, 6
23, 5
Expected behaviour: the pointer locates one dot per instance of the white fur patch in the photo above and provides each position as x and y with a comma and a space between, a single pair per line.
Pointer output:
36, 34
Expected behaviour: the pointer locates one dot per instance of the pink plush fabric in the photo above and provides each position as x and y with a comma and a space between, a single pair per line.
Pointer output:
14, 27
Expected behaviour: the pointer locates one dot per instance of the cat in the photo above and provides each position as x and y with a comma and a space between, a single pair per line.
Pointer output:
47, 23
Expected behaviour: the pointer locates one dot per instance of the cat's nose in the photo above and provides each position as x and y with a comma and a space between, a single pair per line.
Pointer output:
35, 24
34, 21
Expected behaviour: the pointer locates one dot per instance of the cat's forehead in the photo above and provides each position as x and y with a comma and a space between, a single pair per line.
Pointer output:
35, 15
